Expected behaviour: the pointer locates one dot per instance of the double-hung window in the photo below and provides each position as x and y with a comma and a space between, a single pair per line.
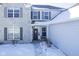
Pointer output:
35, 15
13, 13
45, 15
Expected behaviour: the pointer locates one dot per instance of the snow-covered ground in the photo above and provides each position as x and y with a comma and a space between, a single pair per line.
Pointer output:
18, 49
29, 49
43, 50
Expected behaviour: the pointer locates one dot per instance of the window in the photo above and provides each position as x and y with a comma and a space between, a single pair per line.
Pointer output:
45, 15
10, 12
14, 12
44, 31
35, 15
14, 33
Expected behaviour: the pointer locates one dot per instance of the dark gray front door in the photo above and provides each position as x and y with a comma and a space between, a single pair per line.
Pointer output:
35, 34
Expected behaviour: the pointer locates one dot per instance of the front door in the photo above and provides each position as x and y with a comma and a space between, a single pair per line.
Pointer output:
35, 34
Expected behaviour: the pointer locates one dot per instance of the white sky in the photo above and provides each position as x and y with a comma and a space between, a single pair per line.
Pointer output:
39, 1
74, 12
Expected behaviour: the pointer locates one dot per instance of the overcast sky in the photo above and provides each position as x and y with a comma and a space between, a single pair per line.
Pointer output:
74, 12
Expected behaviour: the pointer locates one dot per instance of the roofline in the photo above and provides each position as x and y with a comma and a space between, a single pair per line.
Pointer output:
55, 7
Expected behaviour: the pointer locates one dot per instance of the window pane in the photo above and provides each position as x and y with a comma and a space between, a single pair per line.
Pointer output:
10, 13
10, 10
16, 10
16, 13
45, 15
35, 17
44, 31
35, 13
17, 36
10, 36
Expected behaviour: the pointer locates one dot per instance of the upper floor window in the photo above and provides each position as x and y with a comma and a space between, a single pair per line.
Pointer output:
35, 15
13, 12
46, 15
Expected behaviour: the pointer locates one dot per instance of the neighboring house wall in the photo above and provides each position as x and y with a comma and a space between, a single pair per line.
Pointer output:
24, 21
64, 34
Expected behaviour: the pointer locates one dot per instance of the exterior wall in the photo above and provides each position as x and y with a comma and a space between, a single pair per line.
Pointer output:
24, 21
65, 35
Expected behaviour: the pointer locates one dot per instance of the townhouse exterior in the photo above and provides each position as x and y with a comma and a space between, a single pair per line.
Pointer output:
25, 22
15, 22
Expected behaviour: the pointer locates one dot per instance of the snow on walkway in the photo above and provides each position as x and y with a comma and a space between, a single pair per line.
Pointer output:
42, 50
29, 49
